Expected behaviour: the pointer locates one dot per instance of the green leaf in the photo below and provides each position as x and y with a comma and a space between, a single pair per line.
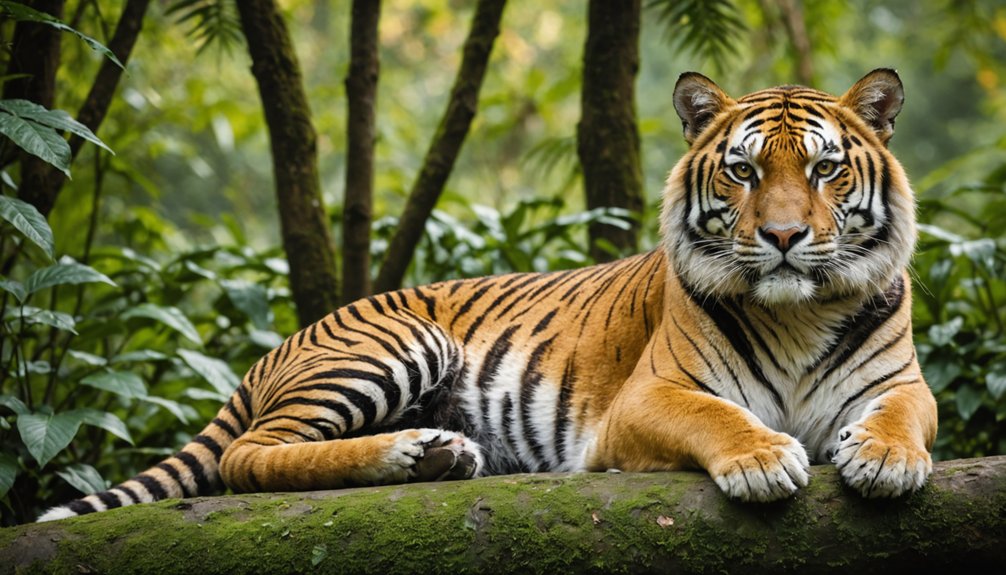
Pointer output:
88, 358
140, 355
57, 119
27, 220
64, 273
107, 421
83, 478
250, 298
265, 338
941, 372
124, 383
213, 370
169, 316
175, 408
34, 315
14, 404
942, 334
38, 140
8, 472
45, 435
14, 287
19, 11
995, 379
969, 399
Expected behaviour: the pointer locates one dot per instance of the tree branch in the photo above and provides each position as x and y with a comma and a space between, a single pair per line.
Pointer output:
546, 523
446, 144
303, 223
361, 100
607, 136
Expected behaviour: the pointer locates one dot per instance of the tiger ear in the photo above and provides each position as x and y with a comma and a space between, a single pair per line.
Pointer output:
697, 100
877, 99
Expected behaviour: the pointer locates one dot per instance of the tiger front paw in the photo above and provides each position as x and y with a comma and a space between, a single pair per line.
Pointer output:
879, 468
773, 470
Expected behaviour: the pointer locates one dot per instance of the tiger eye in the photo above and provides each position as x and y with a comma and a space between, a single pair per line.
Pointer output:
742, 170
825, 168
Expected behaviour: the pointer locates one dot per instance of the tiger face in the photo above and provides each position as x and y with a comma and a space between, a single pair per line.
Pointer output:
789, 194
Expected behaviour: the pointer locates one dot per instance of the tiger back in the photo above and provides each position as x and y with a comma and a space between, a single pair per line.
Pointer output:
771, 328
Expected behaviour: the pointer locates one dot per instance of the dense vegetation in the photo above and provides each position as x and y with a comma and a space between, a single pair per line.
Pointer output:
130, 310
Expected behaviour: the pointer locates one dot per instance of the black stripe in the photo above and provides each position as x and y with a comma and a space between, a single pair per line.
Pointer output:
170, 470
246, 401
562, 410
470, 302
731, 329
209, 443
152, 485
854, 397
390, 389
110, 500
543, 323
222, 424
133, 497
328, 331
361, 401
339, 408
203, 485
431, 304
81, 507
490, 366
529, 383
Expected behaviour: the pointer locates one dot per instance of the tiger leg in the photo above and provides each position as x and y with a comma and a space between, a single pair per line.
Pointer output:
267, 461
655, 426
886, 452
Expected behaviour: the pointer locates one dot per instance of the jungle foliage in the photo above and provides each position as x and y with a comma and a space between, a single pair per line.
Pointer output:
129, 311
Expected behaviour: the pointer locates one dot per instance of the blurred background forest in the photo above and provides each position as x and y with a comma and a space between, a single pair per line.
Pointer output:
165, 276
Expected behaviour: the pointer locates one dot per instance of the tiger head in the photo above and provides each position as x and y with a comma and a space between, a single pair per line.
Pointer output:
788, 194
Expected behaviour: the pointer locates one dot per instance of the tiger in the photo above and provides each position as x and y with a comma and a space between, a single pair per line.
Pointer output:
770, 328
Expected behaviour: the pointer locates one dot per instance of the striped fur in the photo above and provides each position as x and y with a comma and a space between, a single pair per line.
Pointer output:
771, 329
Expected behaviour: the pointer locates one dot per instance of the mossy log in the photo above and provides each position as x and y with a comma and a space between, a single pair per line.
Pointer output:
544, 523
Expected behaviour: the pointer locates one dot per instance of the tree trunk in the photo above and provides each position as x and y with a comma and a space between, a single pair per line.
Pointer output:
796, 29
36, 54
303, 224
361, 98
446, 144
607, 136
99, 98
546, 523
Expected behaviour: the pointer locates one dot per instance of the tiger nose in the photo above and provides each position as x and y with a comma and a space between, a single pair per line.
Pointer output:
783, 238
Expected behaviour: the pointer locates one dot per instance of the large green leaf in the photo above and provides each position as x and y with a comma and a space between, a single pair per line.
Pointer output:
14, 287
969, 399
63, 273
83, 478
38, 140
213, 370
57, 119
8, 472
124, 383
14, 404
182, 412
250, 298
107, 421
32, 315
995, 379
27, 220
19, 11
45, 435
169, 316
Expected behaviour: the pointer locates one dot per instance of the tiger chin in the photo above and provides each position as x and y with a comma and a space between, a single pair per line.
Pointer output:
771, 329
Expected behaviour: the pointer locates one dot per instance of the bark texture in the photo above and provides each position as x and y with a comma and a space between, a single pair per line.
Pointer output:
303, 223
545, 523
607, 136
35, 53
361, 100
796, 29
446, 144
43, 195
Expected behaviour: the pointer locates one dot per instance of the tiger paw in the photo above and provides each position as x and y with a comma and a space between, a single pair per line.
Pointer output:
879, 468
773, 470
433, 455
